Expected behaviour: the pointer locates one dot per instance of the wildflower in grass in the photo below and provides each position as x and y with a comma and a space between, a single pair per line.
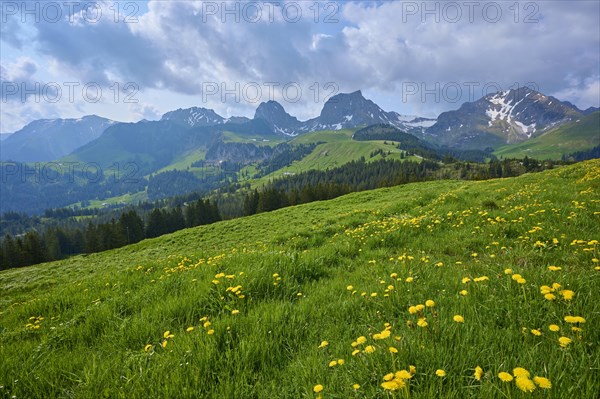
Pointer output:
370, 349
464, 292
210, 332
429, 303
393, 275
536, 332
412, 309
516, 276
388, 377
341, 361
576, 329
148, 348
420, 307
323, 344
235, 311
480, 279
556, 286
350, 288
333, 363
393, 385
206, 324
355, 352
520, 372
554, 268
393, 350
504, 376
549, 297
542, 382
553, 327
564, 341
525, 384
355, 386
382, 335
521, 281
465, 280
422, 323
361, 340
459, 319
478, 374
567, 294
164, 343
167, 334
574, 319
189, 329
412, 369
440, 373
318, 388
439, 264
409, 279
508, 271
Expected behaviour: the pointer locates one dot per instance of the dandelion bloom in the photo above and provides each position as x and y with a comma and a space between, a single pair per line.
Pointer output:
412, 369
516, 276
333, 363
521, 281
542, 382
210, 332
206, 324
318, 388
520, 372
341, 361
550, 297
167, 334
553, 327
504, 376
420, 307
478, 373
525, 384
564, 341
235, 311
393, 385
148, 348
361, 340
356, 386
409, 279
459, 319
393, 350
536, 332
412, 310
465, 280
370, 349
508, 271
422, 323
567, 294
440, 373
574, 319
350, 288
554, 268
464, 292
355, 352
189, 329
323, 344
429, 303
164, 343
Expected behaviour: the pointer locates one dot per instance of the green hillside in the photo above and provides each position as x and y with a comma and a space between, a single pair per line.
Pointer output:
436, 279
576, 136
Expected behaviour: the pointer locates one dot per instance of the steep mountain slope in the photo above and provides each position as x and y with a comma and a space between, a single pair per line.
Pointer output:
49, 139
582, 134
266, 306
194, 116
4, 136
501, 118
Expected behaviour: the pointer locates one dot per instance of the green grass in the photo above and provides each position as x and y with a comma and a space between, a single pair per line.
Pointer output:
294, 267
258, 139
576, 136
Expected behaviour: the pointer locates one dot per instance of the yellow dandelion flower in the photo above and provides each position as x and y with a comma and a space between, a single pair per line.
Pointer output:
422, 323
189, 329
355, 352
464, 292
388, 377
520, 372
235, 311
361, 340
167, 334
393, 385
553, 327
567, 294
355, 386
210, 332
525, 384
549, 297
564, 341
350, 288
508, 271
318, 388
556, 286
412, 309
504, 376
373, 294
459, 319
370, 349
420, 307
440, 373
536, 332
478, 373
148, 348
516, 276
164, 343
403, 375
393, 349
409, 279
542, 382
554, 268
576, 329
341, 361
323, 344
465, 280
333, 363
429, 303
206, 324
574, 319
412, 369
521, 281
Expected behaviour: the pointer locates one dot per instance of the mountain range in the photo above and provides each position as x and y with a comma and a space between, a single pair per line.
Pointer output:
495, 120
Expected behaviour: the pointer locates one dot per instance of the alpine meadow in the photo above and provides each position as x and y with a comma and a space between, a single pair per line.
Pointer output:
297, 199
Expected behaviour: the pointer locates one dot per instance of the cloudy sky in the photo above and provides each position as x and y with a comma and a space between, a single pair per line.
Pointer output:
130, 60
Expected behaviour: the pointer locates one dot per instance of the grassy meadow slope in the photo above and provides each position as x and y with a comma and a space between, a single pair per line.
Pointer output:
576, 136
266, 306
